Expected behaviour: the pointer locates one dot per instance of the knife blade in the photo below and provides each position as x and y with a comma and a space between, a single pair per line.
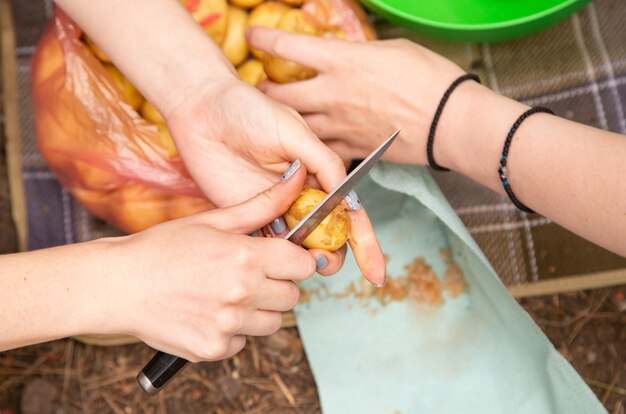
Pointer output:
306, 226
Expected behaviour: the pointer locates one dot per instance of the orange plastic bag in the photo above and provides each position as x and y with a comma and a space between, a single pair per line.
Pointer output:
101, 150
107, 156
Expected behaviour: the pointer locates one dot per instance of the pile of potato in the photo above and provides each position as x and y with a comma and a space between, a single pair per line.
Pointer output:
97, 147
226, 22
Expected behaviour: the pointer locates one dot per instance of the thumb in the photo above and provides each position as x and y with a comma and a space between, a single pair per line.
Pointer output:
264, 207
320, 161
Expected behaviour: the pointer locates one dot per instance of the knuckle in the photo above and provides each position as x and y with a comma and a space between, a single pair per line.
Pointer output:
265, 199
279, 44
238, 293
275, 324
294, 295
228, 322
236, 344
213, 351
244, 258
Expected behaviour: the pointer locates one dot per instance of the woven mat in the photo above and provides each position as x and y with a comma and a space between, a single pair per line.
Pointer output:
578, 68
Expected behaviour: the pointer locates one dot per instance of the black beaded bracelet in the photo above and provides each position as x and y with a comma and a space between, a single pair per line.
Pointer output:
433, 126
502, 170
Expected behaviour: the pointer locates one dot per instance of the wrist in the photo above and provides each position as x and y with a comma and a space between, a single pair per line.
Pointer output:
105, 286
197, 81
471, 132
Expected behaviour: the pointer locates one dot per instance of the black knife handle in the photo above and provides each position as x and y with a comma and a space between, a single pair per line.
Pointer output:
161, 368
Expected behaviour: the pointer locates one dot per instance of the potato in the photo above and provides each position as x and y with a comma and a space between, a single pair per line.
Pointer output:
48, 62
151, 114
251, 72
293, 2
183, 206
246, 4
332, 233
212, 15
166, 140
284, 71
90, 177
132, 95
267, 15
135, 207
96, 50
346, 16
235, 46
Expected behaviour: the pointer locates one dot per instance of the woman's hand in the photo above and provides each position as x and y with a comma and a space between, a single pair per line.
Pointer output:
195, 287
235, 142
563, 170
363, 91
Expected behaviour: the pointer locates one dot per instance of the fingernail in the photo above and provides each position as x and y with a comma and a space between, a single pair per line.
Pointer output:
278, 226
381, 284
321, 262
291, 170
353, 201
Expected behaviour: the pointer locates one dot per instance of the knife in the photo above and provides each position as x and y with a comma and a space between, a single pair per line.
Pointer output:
162, 367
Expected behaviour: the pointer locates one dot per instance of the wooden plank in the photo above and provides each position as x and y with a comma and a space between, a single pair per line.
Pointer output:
570, 284
11, 122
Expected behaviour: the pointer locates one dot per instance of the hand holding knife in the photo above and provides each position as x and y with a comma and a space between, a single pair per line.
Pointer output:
162, 367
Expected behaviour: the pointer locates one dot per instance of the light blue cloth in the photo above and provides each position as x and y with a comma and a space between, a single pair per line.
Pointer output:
478, 353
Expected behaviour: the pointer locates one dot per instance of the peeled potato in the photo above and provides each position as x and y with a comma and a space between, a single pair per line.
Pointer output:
284, 71
246, 4
132, 95
212, 15
235, 46
251, 72
151, 114
332, 233
266, 15
96, 50
166, 140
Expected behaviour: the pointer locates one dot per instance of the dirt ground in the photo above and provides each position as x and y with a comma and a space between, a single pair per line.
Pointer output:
271, 374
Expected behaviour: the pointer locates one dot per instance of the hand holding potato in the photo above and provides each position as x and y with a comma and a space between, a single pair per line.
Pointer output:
365, 86
235, 141
284, 71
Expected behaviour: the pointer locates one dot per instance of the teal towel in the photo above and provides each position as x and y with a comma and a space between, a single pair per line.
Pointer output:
477, 353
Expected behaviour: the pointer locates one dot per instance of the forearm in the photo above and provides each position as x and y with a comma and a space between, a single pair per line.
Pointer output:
155, 43
568, 172
54, 293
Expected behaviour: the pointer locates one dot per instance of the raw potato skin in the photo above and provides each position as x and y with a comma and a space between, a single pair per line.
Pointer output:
166, 140
151, 114
96, 50
266, 15
251, 72
203, 11
332, 233
235, 46
132, 95
91, 173
246, 4
284, 71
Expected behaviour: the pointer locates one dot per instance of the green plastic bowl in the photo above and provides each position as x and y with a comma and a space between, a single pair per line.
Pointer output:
475, 20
